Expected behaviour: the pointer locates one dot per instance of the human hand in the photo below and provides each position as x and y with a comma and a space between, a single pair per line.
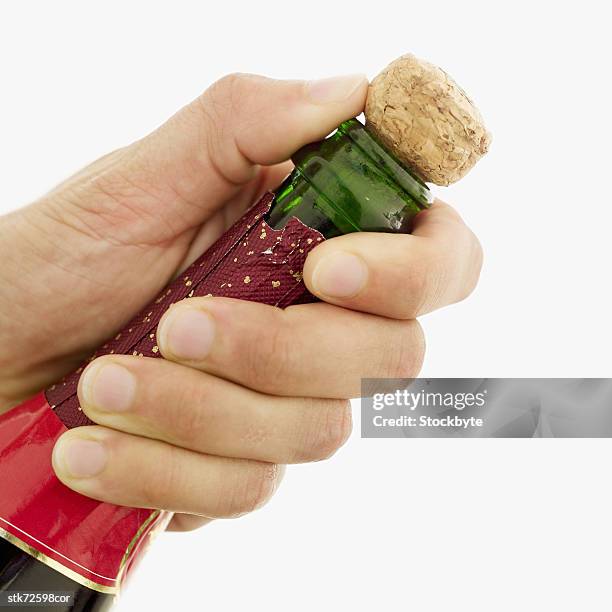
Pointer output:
244, 387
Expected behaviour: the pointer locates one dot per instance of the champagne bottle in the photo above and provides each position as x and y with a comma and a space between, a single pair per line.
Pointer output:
53, 539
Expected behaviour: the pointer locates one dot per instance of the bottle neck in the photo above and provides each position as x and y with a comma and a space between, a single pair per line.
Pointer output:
349, 182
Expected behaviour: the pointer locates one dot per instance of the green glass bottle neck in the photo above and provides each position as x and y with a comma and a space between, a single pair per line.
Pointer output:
349, 182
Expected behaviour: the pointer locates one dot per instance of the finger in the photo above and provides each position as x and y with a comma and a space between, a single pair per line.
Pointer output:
399, 276
157, 399
311, 350
128, 470
187, 169
187, 522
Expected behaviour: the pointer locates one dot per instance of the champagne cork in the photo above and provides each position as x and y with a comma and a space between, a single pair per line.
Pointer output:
420, 114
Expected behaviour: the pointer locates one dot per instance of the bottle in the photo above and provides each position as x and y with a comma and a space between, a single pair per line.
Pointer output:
23, 573
349, 183
345, 183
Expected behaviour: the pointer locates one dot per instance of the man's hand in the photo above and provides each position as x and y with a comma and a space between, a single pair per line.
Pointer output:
244, 387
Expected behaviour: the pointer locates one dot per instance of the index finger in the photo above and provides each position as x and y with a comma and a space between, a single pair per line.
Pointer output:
399, 275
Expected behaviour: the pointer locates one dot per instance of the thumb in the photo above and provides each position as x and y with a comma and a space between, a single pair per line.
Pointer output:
250, 120
215, 144
180, 174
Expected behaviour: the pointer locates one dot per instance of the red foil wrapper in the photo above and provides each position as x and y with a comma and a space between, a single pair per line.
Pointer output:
95, 543
251, 261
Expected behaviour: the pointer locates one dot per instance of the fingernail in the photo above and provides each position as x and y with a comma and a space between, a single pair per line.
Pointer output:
187, 333
335, 89
108, 387
79, 458
340, 275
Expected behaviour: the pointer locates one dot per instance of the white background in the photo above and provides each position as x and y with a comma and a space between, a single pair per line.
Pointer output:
386, 524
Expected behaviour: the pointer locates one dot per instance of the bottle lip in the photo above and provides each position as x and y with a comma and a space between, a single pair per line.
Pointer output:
350, 151
371, 147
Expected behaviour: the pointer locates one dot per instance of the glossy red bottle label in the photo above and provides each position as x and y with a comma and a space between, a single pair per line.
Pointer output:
91, 542
95, 543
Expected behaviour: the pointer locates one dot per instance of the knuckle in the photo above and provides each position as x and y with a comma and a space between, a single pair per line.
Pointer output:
159, 489
475, 260
467, 265
423, 284
190, 414
226, 96
416, 294
271, 356
185, 420
330, 427
446, 275
420, 289
228, 109
406, 351
433, 278
254, 487
218, 110
156, 485
418, 349
231, 83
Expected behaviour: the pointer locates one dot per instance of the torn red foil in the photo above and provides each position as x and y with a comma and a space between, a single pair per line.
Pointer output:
251, 261
92, 542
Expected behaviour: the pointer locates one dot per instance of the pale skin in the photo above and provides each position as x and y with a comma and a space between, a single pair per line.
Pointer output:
205, 431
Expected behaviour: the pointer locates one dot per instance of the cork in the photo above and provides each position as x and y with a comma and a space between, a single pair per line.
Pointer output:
421, 115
